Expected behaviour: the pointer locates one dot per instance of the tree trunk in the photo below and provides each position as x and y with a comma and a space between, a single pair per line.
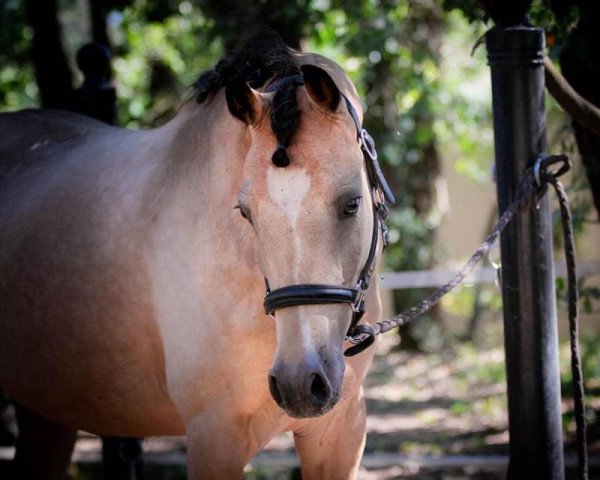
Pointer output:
53, 75
580, 63
415, 180
423, 176
98, 17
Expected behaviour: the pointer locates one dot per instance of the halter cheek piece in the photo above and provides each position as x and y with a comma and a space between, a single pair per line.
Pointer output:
316, 294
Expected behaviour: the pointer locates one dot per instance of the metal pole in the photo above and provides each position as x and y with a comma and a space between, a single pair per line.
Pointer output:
97, 96
515, 56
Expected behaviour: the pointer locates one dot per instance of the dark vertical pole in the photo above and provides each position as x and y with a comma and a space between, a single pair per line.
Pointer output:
122, 458
98, 12
530, 333
97, 96
52, 71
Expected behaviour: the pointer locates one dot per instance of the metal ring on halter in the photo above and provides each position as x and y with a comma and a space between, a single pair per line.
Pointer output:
368, 144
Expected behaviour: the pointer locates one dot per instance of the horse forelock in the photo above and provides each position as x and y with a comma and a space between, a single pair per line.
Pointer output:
264, 62
263, 59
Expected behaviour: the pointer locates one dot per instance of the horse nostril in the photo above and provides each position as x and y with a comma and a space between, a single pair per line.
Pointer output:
275, 390
320, 390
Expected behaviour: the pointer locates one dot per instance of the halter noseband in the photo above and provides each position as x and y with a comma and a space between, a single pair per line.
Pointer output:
316, 294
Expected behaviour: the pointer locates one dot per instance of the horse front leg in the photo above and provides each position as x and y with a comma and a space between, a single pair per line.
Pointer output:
331, 447
219, 446
44, 447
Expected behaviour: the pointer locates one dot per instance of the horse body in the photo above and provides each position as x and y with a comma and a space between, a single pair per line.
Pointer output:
74, 267
131, 289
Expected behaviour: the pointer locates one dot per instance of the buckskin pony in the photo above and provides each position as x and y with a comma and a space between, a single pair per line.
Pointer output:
133, 267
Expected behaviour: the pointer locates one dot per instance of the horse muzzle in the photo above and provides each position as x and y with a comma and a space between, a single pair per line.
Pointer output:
305, 389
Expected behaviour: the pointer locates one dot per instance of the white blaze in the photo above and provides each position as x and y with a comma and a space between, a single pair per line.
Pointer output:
287, 188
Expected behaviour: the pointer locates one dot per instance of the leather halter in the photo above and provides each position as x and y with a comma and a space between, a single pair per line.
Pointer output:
315, 294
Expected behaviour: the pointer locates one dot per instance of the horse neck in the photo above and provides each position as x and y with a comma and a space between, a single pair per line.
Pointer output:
204, 148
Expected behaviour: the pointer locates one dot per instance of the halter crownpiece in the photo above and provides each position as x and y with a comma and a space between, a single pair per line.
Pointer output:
274, 86
317, 294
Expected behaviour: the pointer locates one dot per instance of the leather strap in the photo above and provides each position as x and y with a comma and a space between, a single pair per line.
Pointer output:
276, 84
314, 294
307, 294
367, 145
364, 278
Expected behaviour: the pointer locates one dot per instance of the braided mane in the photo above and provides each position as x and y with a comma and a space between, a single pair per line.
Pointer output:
264, 56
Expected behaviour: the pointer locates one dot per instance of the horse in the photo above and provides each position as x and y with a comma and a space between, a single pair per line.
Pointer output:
198, 278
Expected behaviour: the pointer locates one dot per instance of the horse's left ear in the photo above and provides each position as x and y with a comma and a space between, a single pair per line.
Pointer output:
320, 87
244, 103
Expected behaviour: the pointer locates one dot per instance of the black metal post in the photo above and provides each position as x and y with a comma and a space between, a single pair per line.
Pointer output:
530, 332
97, 96
122, 458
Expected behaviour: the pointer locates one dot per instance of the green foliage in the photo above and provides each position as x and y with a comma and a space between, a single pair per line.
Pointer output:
15, 38
422, 91
398, 74
156, 62
590, 365
461, 301
422, 100
589, 296
460, 407
463, 110
482, 370
590, 361
409, 60
471, 9
17, 82
557, 18
234, 20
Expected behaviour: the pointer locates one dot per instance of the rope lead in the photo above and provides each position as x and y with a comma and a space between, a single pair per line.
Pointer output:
529, 190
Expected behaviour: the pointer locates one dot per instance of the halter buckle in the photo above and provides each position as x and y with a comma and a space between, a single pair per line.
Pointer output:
359, 304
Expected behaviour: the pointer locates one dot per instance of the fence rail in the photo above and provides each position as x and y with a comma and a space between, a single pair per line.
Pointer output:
438, 277
287, 459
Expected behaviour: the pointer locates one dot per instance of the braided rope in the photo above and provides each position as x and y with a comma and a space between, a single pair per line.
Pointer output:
573, 296
530, 189
527, 193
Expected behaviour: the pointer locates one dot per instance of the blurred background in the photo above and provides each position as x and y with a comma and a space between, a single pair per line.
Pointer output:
437, 390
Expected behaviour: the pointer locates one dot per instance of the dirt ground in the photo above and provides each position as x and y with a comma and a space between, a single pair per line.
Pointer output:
430, 416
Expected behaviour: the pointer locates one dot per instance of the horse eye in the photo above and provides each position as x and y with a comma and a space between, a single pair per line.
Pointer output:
243, 213
352, 207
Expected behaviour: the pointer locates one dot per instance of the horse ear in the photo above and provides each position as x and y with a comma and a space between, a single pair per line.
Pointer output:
244, 103
320, 87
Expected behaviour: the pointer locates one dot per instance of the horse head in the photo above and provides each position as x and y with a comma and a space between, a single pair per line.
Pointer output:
314, 196
307, 196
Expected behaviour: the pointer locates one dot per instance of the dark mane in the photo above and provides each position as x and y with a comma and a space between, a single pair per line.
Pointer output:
262, 57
